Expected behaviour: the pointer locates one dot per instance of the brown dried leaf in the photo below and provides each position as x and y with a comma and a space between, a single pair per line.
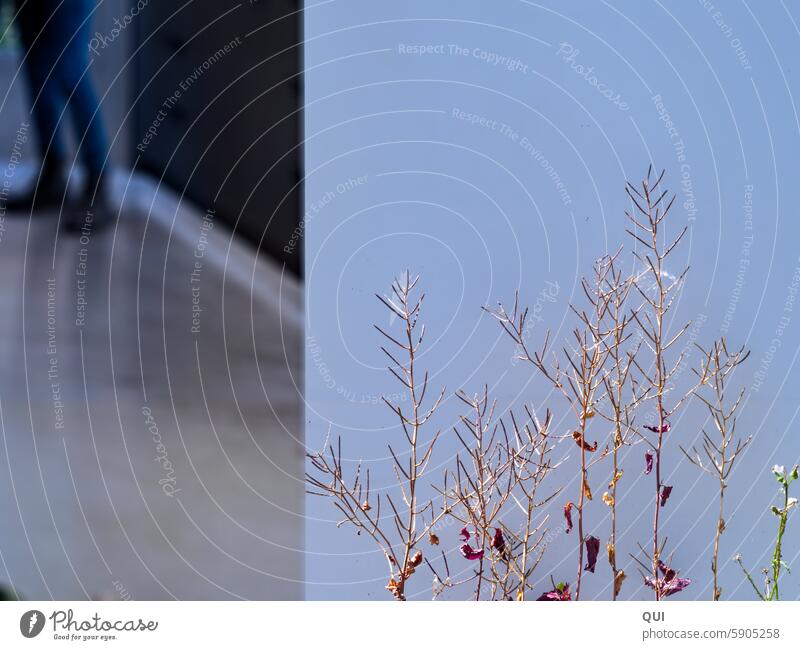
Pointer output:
618, 580
587, 492
395, 588
581, 441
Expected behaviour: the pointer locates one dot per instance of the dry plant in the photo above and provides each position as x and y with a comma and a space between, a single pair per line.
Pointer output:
481, 484
618, 358
398, 533
500, 465
530, 454
719, 453
658, 290
579, 381
621, 389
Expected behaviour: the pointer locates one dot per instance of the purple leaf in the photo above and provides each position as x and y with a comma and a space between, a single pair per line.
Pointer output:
561, 592
675, 585
669, 573
568, 516
648, 462
470, 553
498, 542
670, 584
592, 549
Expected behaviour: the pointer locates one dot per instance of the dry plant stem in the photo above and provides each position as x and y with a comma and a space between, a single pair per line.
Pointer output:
347, 498
498, 468
529, 453
718, 457
482, 483
414, 423
400, 539
717, 590
615, 470
479, 428
578, 382
618, 443
585, 378
585, 407
652, 206
620, 387
409, 315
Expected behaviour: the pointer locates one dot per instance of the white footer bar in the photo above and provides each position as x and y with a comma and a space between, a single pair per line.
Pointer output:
389, 625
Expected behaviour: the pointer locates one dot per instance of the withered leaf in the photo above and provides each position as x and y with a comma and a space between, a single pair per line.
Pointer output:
592, 549
498, 542
581, 441
568, 515
470, 553
395, 588
618, 580
665, 492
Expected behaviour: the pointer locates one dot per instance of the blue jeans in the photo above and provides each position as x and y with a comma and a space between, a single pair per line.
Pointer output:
55, 36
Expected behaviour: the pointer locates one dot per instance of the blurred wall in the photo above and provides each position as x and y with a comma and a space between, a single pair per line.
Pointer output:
217, 112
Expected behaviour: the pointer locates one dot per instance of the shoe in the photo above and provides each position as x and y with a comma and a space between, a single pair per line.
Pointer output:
48, 193
92, 211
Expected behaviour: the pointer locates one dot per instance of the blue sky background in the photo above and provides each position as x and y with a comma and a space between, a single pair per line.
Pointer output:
400, 175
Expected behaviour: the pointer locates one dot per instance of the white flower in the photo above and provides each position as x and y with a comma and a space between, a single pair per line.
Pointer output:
791, 503
778, 470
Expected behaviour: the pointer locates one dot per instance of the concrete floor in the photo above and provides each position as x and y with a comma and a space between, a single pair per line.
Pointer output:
139, 458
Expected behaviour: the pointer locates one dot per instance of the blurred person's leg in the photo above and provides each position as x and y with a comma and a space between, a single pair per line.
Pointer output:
47, 105
74, 72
